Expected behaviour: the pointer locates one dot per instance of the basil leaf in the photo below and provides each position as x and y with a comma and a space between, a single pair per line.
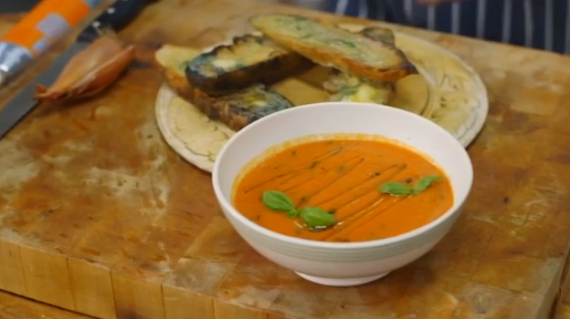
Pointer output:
278, 201
396, 188
317, 217
424, 183
293, 213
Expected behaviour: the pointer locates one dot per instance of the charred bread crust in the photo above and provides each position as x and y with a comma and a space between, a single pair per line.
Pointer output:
379, 34
264, 62
242, 108
342, 86
385, 35
389, 65
235, 110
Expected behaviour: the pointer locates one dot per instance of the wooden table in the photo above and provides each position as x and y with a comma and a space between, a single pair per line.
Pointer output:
14, 307
99, 216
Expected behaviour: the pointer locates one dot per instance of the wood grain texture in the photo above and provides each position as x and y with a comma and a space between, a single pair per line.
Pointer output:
99, 216
15, 307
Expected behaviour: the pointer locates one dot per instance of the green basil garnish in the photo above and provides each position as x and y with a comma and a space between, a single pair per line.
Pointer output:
316, 217
396, 188
279, 201
402, 189
424, 183
313, 217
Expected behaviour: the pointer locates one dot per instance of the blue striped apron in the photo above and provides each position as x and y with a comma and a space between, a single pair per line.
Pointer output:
541, 24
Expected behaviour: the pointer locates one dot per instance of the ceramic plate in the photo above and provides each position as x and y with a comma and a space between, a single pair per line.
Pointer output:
446, 91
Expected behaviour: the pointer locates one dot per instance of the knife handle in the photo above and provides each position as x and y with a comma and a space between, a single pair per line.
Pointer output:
47, 22
116, 17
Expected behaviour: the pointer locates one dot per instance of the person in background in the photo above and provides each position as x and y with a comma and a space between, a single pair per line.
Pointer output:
541, 24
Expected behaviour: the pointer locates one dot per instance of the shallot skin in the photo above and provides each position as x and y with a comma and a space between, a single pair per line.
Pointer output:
90, 71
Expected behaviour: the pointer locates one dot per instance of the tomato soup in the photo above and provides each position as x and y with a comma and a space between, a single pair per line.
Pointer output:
372, 188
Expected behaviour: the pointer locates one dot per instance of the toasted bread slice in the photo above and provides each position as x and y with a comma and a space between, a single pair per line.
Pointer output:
346, 87
379, 34
241, 108
250, 59
235, 110
331, 46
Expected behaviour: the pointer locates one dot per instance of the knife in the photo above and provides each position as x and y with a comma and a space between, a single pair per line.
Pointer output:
46, 23
116, 17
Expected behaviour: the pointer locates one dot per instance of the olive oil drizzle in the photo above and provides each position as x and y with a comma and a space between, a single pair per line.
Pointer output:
354, 221
370, 184
323, 174
301, 167
327, 180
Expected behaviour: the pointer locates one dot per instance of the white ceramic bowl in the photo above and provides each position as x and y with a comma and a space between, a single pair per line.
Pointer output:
342, 264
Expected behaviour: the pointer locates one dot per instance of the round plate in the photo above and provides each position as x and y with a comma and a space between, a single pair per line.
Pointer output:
446, 91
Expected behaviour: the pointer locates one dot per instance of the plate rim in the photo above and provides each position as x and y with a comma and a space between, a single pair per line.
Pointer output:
166, 94
477, 127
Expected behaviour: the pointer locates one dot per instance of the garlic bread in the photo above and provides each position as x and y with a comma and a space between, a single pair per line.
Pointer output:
241, 108
235, 110
345, 87
379, 34
328, 45
248, 60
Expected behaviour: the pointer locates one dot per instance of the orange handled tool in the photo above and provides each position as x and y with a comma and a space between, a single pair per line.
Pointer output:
48, 22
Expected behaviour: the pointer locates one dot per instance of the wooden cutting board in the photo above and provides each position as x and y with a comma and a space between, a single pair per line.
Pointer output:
99, 216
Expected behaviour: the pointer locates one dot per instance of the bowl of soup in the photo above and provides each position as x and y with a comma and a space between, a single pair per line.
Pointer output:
342, 193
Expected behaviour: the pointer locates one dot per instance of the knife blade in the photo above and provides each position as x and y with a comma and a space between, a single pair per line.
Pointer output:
116, 17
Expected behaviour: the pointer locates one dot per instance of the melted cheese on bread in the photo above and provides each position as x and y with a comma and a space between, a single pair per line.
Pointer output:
344, 87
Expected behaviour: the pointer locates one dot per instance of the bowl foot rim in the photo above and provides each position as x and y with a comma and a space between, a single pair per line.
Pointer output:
341, 282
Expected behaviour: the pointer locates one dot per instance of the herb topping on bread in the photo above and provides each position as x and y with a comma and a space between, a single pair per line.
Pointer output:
250, 59
328, 45
346, 87
235, 110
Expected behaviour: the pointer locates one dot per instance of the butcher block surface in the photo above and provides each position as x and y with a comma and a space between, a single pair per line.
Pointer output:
99, 216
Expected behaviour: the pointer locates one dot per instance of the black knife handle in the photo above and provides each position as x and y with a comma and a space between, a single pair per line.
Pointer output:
116, 17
